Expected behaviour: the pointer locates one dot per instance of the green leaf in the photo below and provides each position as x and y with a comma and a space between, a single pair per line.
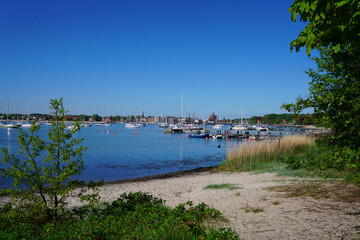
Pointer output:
341, 3
337, 48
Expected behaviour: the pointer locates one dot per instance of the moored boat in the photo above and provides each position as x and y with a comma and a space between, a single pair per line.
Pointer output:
163, 125
199, 135
131, 125
262, 128
239, 127
8, 125
217, 136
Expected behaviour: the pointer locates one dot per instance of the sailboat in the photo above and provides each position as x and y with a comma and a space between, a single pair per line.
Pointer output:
242, 126
7, 125
27, 125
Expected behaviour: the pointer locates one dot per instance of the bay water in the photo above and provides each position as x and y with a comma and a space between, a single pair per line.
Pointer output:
117, 153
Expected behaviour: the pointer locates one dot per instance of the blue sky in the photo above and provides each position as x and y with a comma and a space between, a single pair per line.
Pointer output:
125, 57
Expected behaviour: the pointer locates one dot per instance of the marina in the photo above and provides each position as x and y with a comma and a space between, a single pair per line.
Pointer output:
116, 152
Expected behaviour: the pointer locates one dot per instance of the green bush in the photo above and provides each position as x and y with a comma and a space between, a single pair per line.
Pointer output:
314, 157
132, 216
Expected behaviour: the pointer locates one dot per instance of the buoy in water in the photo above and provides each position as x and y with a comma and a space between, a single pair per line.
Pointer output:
178, 136
206, 138
114, 133
228, 139
95, 130
134, 133
119, 129
103, 130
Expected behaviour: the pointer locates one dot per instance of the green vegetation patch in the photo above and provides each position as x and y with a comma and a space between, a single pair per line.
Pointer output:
222, 186
254, 210
132, 216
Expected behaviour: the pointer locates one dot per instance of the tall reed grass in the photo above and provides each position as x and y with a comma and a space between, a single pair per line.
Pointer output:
242, 156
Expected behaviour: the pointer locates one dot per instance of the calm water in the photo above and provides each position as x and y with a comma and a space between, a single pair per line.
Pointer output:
124, 155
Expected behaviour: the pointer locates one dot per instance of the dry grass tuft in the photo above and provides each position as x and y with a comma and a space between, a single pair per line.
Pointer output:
336, 191
264, 151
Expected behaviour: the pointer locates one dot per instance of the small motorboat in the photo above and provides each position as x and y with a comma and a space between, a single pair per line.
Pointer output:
102, 124
199, 135
131, 125
163, 125
261, 128
217, 136
239, 127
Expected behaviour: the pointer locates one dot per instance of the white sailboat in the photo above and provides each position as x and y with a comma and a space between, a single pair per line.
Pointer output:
27, 125
241, 126
6, 124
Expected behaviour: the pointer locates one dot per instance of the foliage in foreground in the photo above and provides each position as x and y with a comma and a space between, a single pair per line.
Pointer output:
44, 166
334, 91
132, 216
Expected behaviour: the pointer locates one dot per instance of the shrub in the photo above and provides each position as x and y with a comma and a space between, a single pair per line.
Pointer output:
44, 167
132, 216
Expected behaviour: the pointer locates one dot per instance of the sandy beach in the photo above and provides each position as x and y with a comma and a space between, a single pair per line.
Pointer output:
281, 217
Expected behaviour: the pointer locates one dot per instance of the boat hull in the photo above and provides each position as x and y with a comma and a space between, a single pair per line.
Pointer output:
199, 135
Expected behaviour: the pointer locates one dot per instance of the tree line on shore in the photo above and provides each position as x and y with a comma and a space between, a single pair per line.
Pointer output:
273, 118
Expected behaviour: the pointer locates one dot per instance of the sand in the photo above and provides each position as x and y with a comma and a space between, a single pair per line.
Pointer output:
282, 217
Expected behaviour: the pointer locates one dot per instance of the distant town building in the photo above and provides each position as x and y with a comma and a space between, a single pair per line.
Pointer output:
151, 119
258, 119
213, 118
70, 118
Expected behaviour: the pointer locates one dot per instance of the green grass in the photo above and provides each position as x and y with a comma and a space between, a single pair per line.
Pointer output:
254, 210
132, 216
222, 186
298, 156
242, 157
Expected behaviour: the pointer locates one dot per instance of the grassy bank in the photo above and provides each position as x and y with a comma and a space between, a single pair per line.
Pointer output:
249, 156
297, 156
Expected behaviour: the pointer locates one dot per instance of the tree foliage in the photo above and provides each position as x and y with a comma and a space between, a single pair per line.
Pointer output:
334, 31
334, 24
44, 167
274, 118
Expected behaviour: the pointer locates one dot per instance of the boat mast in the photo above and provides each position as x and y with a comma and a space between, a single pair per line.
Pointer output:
7, 115
242, 115
182, 109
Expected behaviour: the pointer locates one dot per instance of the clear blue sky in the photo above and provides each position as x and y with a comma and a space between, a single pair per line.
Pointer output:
125, 57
